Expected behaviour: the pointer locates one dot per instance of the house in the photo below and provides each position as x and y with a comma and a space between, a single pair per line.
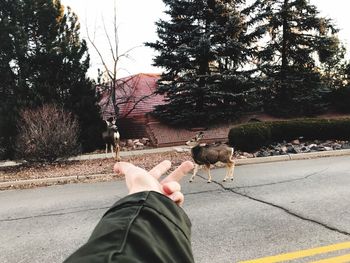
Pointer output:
135, 98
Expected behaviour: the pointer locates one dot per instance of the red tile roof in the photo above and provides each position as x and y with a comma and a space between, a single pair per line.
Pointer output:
134, 96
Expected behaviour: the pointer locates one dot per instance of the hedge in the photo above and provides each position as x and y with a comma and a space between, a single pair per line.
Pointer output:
252, 136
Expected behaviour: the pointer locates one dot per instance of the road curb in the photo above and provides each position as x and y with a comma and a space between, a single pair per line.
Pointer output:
52, 180
98, 156
258, 160
290, 157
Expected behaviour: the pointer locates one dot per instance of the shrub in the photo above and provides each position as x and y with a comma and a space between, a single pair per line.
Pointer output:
252, 136
341, 99
2, 148
46, 134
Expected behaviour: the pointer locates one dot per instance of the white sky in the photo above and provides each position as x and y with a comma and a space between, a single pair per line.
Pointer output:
136, 25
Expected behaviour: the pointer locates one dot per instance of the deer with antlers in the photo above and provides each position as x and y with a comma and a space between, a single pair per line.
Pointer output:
206, 155
111, 138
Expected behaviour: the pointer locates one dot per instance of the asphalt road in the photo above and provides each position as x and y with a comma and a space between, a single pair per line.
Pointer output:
268, 210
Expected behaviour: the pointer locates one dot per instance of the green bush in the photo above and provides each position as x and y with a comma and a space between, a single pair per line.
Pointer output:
341, 99
46, 134
2, 148
251, 136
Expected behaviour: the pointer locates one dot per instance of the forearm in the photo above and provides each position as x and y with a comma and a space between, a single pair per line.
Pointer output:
143, 227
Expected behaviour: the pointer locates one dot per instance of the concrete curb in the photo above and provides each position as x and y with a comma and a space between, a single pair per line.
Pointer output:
52, 180
289, 157
105, 156
123, 154
259, 160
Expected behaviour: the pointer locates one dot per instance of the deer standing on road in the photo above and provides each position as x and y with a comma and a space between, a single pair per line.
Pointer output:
111, 138
211, 154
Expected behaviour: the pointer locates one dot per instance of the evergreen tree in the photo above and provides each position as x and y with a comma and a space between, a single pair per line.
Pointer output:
203, 47
298, 38
46, 62
8, 29
333, 67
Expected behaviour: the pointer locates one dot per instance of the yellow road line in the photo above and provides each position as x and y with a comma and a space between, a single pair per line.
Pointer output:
300, 254
340, 259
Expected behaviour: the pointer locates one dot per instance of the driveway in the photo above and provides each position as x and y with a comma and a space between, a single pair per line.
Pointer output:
270, 209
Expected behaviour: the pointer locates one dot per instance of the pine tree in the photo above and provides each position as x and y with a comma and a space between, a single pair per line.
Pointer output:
333, 67
46, 62
202, 47
290, 60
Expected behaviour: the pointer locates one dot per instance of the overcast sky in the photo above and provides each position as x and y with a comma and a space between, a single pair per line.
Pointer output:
136, 25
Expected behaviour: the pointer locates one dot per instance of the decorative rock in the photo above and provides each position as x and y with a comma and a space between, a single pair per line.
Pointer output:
247, 155
313, 147
284, 149
145, 141
336, 146
305, 149
296, 142
129, 143
290, 149
263, 154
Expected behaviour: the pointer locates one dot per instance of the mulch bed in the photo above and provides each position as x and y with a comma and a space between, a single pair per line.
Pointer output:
83, 168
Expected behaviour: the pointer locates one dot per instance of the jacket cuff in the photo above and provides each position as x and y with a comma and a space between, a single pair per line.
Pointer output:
159, 202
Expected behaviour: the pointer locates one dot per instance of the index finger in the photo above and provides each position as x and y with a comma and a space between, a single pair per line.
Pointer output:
160, 169
179, 172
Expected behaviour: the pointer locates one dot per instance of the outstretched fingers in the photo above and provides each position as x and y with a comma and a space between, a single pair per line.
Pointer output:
122, 168
136, 178
160, 169
178, 173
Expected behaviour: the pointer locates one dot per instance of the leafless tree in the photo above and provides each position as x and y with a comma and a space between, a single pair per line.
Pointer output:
119, 91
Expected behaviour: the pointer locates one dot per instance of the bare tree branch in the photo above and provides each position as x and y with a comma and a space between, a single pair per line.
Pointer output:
118, 92
109, 40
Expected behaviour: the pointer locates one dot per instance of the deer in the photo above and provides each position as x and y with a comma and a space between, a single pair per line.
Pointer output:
205, 155
111, 138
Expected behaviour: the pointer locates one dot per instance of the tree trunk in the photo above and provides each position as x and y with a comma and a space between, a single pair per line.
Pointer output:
284, 66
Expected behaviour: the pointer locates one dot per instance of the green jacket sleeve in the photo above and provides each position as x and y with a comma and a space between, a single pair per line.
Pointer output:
143, 227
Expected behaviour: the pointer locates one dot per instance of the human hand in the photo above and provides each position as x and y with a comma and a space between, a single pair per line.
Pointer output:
139, 180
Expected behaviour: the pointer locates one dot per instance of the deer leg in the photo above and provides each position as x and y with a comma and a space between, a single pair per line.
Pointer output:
232, 169
117, 150
195, 170
106, 148
227, 171
112, 148
116, 137
207, 167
